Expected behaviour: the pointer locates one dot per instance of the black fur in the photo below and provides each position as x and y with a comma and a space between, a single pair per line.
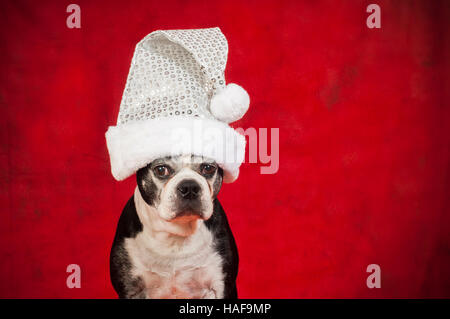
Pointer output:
226, 246
128, 227
146, 186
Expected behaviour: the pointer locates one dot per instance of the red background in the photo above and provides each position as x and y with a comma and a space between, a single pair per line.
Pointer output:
364, 143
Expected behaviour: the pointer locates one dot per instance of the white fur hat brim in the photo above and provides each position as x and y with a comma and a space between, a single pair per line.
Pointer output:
134, 145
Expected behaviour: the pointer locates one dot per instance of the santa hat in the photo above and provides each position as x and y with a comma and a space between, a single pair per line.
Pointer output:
176, 102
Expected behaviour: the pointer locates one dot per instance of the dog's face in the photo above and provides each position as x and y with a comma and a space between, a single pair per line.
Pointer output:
180, 188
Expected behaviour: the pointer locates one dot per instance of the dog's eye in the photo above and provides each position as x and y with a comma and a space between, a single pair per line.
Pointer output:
207, 169
162, 171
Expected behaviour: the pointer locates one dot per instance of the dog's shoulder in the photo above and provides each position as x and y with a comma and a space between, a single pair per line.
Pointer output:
128, 226
226, 246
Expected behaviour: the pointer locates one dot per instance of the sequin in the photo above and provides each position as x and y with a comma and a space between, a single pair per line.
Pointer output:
175, 70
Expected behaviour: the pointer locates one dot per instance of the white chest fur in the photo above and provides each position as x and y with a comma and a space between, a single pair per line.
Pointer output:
176, 267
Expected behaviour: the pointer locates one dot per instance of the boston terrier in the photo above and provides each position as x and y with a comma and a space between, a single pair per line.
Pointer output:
173, 239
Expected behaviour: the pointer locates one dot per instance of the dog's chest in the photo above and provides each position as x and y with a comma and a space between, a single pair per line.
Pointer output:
191, 270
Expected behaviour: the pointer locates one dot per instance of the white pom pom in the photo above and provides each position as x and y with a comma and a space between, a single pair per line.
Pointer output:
230, 104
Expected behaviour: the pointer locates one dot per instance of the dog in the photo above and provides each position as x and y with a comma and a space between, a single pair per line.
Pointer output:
173, 239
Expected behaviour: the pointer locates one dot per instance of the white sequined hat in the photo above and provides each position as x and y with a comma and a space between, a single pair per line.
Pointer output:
176, 102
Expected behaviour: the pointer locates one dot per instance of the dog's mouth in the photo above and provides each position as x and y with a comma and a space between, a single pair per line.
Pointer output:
187, 216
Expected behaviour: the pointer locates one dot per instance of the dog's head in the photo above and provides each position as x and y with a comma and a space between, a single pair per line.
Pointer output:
181, 188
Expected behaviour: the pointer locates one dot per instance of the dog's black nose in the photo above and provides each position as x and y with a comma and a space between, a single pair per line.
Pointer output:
188, 189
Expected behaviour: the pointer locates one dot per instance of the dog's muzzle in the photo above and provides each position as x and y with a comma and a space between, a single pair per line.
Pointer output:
188, 198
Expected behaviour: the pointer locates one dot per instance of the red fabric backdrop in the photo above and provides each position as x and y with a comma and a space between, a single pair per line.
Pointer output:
364, 143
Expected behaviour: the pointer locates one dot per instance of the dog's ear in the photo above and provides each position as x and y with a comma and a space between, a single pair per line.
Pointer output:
218, 181
145, 183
